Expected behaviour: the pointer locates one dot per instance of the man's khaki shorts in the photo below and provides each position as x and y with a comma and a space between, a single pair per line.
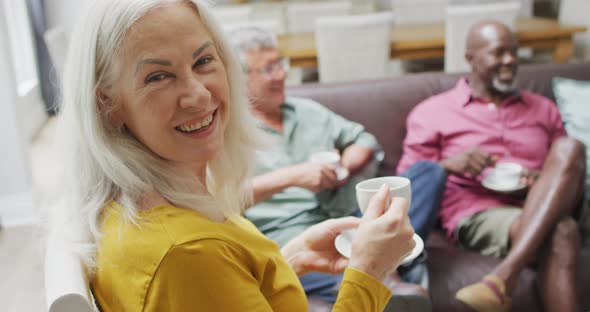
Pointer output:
488, 231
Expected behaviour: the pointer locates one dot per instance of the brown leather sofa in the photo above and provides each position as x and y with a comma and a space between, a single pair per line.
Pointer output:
382, 107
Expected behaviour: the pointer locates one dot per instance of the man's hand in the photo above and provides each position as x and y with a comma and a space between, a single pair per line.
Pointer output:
314, 250
528, 177
472, 161
314, 176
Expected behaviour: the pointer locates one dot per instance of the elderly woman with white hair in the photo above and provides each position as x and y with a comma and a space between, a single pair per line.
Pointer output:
156, 121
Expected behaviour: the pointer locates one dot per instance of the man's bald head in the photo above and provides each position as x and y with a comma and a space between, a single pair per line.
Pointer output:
491, 51
482, 33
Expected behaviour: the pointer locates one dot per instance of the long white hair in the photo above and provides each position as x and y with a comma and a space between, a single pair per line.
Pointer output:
104, 163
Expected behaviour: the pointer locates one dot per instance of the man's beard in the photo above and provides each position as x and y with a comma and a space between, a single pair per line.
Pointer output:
503, 87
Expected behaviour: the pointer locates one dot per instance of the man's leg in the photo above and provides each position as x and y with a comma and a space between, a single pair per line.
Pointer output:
428, 184
542, 224
554, 196
559, 261
321, 286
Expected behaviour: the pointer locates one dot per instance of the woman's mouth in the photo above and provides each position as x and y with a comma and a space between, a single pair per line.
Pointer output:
200, 126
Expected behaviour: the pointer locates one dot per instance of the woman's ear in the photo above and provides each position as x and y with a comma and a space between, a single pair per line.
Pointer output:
114, 113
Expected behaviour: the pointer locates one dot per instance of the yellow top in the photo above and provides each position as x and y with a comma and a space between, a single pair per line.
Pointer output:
178, 260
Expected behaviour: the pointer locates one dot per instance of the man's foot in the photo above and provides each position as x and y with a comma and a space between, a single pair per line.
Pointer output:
489, 295
406, 297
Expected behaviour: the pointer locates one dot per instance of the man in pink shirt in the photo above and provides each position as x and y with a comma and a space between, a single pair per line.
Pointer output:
484, 120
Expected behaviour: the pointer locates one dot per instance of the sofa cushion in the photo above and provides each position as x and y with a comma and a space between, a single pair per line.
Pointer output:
451, 268
573, 100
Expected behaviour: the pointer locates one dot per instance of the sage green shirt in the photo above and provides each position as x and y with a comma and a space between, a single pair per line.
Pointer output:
308, 127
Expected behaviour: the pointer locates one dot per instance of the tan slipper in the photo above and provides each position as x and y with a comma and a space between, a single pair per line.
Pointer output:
489, 295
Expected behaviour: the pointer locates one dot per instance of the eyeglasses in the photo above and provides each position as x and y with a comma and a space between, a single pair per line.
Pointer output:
270, 69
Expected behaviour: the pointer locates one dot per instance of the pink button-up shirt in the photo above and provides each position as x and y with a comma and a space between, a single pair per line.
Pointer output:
521, 130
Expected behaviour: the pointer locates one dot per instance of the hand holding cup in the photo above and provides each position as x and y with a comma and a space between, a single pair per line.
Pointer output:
333, 159
384, 236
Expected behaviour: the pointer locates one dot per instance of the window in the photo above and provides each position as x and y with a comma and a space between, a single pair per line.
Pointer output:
21, 44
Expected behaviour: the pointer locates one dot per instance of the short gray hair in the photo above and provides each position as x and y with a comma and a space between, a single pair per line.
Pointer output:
248, 39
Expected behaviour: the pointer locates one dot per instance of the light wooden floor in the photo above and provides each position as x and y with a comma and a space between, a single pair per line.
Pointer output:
21, 273
21, 248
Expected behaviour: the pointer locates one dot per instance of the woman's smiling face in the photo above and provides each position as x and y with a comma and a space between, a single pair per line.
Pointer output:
172, 88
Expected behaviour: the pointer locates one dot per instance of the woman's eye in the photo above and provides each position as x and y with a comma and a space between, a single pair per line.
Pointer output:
203, 61
155, 78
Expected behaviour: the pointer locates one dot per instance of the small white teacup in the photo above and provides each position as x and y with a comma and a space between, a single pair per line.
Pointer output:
506, 174
398, 187
365, 190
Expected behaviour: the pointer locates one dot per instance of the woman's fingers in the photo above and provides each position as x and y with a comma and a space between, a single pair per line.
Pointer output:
400, 205
343, 224
329, 229
397, 218
378, 203
340, 265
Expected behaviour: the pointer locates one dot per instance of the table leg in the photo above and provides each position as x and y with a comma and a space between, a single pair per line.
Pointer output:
563, 51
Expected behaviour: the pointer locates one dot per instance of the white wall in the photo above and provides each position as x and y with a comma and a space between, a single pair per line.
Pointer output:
19, 42
64, 13
16, 200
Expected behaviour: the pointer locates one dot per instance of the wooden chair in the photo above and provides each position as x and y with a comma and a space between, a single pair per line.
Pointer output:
353, 47
459, 20
576, 12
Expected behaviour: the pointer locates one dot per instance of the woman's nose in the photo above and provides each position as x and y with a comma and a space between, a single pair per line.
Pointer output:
194, 94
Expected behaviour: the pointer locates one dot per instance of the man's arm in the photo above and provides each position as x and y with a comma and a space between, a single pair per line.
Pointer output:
357, 146
422, 141
472, 161
355, 157
312, 176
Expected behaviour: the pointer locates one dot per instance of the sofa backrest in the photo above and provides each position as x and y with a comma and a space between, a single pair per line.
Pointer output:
383, 105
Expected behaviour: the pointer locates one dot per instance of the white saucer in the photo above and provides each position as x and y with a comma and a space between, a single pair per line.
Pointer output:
342, 173
491, 184
343, 244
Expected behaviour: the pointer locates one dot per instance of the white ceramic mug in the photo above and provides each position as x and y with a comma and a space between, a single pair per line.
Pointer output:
398, 187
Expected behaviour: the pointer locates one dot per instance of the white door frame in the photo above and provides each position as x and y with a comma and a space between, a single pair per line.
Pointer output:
22, 116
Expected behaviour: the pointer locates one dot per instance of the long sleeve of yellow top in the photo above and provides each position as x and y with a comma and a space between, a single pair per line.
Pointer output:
177, 260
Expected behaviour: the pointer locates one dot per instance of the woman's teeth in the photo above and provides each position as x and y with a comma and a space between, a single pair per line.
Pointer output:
196, 126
